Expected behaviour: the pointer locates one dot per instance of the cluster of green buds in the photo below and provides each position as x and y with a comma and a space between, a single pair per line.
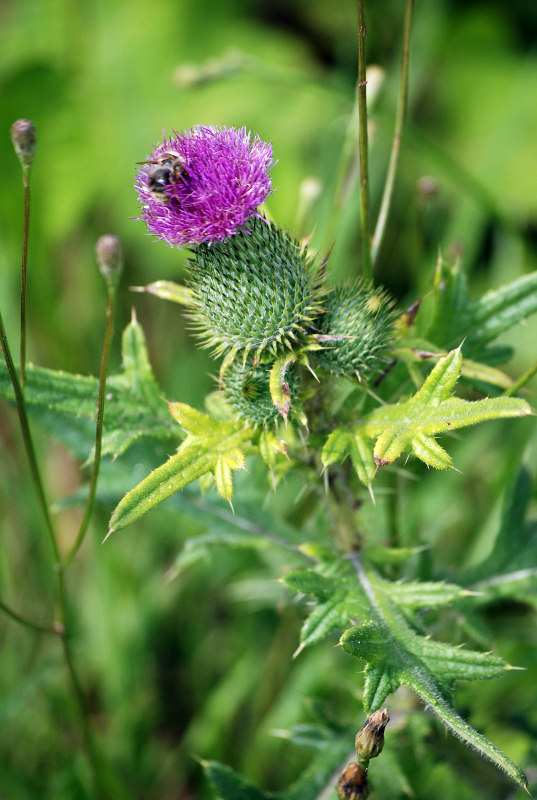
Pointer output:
258, 299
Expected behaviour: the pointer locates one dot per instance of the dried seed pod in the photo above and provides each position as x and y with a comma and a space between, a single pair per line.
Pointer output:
352, 783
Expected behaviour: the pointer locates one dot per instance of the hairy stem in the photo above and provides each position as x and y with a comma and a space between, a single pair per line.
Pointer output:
29, 446
108, 336
25, 230
396, 145
363, 145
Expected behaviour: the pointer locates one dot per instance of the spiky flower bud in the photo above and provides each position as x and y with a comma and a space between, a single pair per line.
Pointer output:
109, 257
369, 740
352, 783
24, 138
356, 329
246, 387
258, 291
204, 184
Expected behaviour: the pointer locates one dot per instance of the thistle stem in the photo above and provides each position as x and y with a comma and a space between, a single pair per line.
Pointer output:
29, 445
396, 145
367, 269
28, 623
89, 742
108, 336
26, 226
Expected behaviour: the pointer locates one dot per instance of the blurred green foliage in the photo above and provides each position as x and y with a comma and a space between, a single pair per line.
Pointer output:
170, 665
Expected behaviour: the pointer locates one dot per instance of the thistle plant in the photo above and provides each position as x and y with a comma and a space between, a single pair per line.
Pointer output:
325, 384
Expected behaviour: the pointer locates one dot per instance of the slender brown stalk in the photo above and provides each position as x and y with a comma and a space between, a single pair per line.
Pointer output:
28, 623
396, 145
29, 446
108, 335
363, 145
25, 230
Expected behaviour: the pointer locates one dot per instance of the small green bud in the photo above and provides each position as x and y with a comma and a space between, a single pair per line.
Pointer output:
356, 329
24, 140
370, 738
247, 389
109, 257
352, 783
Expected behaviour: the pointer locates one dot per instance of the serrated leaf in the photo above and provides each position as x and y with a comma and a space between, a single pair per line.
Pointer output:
418, 350
215, 448
66, 404
478, 322
270, 447
411, 426
331, 749
416, 595
354, 442
340, 601
391, 555
228, 785
396, 655
386, 635
511, 568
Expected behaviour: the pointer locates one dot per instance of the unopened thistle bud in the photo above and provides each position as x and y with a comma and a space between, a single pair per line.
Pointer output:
246, 387
109, 257
257, 291
352, 783
370, 738
24, 140
356, 329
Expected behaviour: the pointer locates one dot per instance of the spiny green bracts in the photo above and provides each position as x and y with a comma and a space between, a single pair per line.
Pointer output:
247, 389
257, 291
356, 329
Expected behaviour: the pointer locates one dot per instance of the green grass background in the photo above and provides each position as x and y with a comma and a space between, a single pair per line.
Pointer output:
201, 666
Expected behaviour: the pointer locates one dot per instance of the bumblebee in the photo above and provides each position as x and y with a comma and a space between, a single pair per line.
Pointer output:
165, 171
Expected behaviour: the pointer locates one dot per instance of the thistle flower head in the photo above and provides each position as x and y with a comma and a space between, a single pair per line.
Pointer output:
204, 184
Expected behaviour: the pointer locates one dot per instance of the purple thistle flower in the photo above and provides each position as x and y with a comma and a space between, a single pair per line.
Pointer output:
214, 184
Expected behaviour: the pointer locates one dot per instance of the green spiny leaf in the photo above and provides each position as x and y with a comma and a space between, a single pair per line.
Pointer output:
66, 404
385, 635
215, 448
455, 317
410, 426
396, 654
355, 442
511, 568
